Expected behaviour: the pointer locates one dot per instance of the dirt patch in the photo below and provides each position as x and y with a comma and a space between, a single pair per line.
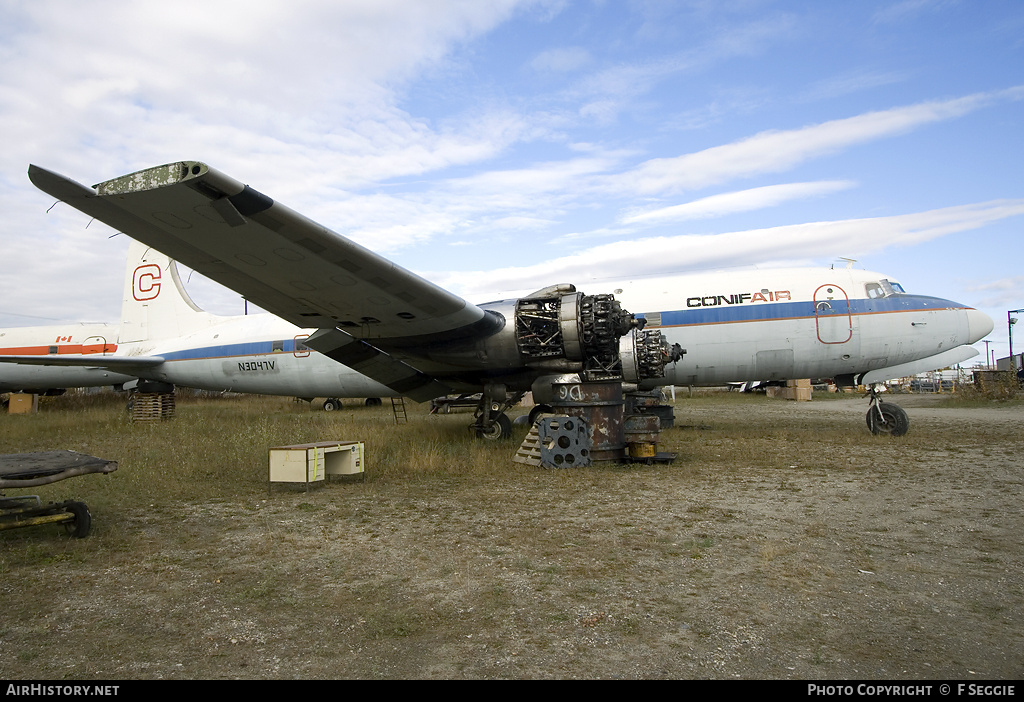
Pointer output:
785, 542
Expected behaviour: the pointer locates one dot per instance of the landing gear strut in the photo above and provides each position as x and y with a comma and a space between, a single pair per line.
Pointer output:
885, 417
491, 422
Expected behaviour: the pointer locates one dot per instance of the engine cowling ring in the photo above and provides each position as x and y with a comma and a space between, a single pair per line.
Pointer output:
644, 355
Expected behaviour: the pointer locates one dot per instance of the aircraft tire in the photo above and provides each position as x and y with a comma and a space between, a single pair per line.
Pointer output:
536, 411
894, 420
331, 404
79, 528
501, 429
373, 402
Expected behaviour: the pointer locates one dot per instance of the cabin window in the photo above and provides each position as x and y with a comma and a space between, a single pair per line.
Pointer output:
278, 346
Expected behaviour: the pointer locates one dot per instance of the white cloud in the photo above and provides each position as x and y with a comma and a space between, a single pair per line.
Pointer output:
561, 60
778, 151
739, 201
671, 254
1004, 292
114, 84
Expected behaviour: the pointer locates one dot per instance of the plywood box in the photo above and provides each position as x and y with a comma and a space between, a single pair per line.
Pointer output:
23, 403
796, 393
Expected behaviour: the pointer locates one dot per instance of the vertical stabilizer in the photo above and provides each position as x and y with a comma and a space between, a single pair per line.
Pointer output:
155, 305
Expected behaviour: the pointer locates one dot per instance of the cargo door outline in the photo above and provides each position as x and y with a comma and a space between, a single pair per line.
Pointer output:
93, 342
832, 318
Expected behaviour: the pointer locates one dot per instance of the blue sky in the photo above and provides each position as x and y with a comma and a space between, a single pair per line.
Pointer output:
502, 145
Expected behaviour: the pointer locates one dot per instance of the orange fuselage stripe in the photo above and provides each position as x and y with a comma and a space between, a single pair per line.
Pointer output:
62, 349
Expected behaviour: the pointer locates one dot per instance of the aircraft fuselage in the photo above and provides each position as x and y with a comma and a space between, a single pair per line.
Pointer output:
735, 326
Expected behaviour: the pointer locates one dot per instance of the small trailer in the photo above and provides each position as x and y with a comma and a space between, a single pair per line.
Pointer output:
22, 470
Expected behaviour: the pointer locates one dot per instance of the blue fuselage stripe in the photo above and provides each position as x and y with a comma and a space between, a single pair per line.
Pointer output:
251, 348
708, 314
723, 312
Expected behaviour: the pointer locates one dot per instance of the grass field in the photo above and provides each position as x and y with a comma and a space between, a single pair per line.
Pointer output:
785, 542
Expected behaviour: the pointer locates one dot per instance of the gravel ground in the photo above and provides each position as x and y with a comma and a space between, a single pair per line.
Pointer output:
785, 542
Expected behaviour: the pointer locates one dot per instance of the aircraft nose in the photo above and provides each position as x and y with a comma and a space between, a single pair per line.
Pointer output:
979, 325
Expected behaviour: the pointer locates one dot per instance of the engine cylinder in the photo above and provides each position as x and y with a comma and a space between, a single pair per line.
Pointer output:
582, 329
644, 355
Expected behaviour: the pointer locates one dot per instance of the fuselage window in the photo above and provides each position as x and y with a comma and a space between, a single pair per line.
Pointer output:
874, 291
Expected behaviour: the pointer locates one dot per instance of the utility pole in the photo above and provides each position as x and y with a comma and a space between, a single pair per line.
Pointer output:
987, 342
1010, 321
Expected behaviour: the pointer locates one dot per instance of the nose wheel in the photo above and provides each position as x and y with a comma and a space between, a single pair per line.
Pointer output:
885, 417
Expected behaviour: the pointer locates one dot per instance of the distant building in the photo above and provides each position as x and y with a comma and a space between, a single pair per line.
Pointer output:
1003, 364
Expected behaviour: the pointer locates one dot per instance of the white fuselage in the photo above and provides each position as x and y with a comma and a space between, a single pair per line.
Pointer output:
796, 323
734, 326
62, 339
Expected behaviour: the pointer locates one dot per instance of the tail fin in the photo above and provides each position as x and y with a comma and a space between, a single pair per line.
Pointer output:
155, 305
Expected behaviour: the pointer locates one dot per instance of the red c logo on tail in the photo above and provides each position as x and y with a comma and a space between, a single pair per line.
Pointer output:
146, 282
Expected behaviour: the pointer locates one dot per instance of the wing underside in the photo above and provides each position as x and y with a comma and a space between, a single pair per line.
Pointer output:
275, 257
287, 264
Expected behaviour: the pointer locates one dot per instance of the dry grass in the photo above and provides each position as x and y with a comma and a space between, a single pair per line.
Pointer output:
785, 541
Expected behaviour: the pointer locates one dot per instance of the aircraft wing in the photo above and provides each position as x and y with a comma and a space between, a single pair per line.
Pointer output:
375, 311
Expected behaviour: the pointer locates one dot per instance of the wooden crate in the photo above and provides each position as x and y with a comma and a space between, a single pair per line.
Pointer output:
23, 403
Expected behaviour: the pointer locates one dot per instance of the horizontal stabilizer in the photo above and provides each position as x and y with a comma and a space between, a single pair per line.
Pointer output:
120, 364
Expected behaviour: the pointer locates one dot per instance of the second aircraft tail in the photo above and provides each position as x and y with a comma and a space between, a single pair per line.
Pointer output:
155, 305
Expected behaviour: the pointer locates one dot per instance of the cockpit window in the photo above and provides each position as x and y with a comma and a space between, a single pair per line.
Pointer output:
891, 287
883, 288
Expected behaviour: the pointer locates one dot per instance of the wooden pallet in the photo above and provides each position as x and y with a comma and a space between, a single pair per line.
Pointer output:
529, 451
152, 406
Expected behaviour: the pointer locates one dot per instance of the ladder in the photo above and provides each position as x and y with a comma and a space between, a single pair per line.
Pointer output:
398, 407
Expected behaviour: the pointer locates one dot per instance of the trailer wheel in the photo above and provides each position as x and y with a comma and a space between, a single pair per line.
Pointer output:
80, 527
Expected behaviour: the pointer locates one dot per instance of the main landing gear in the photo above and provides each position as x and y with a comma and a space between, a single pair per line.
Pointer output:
491, 422
885, 417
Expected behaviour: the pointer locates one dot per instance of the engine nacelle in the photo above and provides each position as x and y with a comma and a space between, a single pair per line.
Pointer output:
556, 330
559, 329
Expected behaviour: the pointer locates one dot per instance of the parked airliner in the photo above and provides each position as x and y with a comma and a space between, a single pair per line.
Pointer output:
348, 323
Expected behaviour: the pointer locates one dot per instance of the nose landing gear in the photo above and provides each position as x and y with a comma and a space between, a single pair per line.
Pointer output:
885, 417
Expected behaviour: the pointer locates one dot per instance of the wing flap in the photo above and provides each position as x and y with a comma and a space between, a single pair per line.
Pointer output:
374, 363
